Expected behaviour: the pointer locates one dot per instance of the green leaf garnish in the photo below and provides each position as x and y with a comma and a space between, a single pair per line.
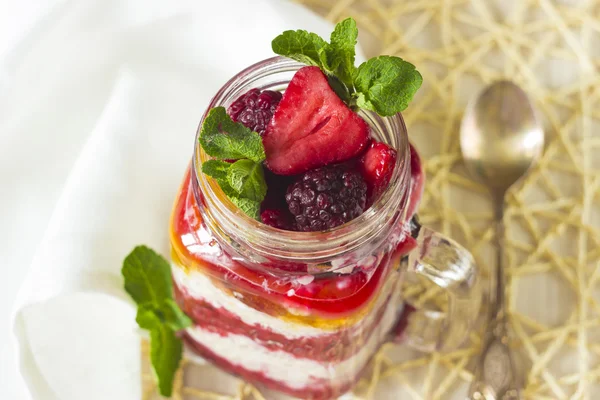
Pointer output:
341, 52
384, 84
249, 207
302, 46
150, 316
224, 139
243, 181
216, 169
247, 178
147, 278
166, 350
377, 82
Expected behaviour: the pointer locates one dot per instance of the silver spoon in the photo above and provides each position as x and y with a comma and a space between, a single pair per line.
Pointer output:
500, 138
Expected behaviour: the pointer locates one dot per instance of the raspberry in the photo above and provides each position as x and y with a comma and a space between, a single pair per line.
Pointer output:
326, 197
255, 109
277, 219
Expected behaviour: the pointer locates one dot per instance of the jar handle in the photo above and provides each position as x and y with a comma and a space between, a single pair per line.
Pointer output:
452, 268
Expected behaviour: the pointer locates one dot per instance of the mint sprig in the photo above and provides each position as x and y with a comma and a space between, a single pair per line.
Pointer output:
377, 81
243, 181
305, 47
385, 84
147, 278
224, 139
341, 52
247, 178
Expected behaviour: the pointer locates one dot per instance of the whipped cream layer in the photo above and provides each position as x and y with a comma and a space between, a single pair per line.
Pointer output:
200, 287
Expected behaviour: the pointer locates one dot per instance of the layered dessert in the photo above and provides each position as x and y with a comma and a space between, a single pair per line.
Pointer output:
293, 226
308, 336
301, 160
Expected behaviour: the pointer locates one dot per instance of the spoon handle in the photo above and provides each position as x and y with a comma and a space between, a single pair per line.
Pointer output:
495, 375
498, 301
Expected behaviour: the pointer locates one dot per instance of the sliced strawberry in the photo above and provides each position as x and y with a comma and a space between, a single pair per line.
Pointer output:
312, 127
417, 182
377, 166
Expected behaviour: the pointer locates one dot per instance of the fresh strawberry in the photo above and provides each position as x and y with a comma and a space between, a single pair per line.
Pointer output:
417, 182
312, 127
377, 166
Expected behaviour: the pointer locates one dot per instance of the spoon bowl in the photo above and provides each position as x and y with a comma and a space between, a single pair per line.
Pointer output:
500, 136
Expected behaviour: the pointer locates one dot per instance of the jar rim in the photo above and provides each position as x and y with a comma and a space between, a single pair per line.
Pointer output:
224, 218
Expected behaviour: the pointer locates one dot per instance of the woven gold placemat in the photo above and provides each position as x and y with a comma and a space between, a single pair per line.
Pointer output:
552, 49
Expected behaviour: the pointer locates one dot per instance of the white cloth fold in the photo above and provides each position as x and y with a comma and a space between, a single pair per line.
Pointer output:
109, 93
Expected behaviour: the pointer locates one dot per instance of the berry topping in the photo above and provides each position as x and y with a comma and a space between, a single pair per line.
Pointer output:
312, 127
377, 166
274, 210
279, 219
254, 109
327, 197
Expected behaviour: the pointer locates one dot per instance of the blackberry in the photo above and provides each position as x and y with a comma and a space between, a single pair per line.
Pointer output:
326, 197
254, 109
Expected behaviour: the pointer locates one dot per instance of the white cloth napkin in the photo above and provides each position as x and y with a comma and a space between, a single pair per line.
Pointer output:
118, 86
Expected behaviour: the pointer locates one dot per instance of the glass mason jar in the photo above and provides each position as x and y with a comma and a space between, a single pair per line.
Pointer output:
303, 312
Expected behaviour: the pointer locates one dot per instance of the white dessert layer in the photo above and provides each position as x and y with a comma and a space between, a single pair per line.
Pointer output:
200, 287
297, 373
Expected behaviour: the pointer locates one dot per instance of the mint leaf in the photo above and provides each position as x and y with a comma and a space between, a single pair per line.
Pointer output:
249, 207
147, 276
146, 317
386, 84
150, 316
224, 139
341, 52
216, 169
247, 178
174, 317
305, 47
243, 181
165, 353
